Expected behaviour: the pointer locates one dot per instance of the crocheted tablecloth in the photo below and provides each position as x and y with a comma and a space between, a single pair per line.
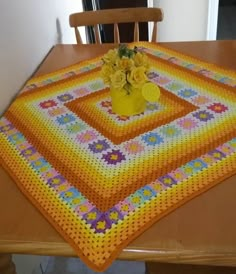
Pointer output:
102, 179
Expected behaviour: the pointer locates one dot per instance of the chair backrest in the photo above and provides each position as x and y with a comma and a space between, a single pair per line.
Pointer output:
115, 16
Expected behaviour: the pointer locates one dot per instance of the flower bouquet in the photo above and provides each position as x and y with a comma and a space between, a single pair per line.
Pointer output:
125, 71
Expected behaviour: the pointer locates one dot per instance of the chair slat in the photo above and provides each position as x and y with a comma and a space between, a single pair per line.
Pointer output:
154, 32
136, 32
109, 16
116, 34
97, 34
78, 37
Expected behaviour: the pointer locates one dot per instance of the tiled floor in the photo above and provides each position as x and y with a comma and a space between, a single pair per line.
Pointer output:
62, 265
27, 264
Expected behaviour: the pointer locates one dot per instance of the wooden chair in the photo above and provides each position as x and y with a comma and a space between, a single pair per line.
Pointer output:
115, 16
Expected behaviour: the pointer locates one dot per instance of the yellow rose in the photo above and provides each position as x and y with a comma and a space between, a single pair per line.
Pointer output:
111, 56
125, 63
141, 60
106, 73
137, 77
118, 79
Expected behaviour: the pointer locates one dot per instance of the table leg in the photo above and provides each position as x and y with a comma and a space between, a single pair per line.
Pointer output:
6, 264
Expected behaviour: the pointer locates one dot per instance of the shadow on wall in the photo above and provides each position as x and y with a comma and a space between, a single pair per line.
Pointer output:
59, 32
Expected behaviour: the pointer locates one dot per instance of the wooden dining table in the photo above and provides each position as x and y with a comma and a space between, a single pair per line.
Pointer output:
203, 231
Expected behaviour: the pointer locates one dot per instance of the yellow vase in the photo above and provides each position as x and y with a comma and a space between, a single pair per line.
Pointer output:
127, 104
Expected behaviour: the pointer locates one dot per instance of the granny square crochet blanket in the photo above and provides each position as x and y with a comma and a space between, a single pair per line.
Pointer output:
102, 179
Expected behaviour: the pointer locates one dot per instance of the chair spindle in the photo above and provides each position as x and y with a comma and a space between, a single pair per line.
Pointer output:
154, 32
97, 34
136, 32
78, 37
116, 34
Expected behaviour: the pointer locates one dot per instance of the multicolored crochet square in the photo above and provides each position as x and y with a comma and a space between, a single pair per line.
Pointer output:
102, 179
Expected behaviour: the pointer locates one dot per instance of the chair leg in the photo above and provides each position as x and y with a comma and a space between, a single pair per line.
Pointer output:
6, 264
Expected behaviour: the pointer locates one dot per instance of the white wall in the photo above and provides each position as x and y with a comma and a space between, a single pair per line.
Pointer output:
28, 29
184, 20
